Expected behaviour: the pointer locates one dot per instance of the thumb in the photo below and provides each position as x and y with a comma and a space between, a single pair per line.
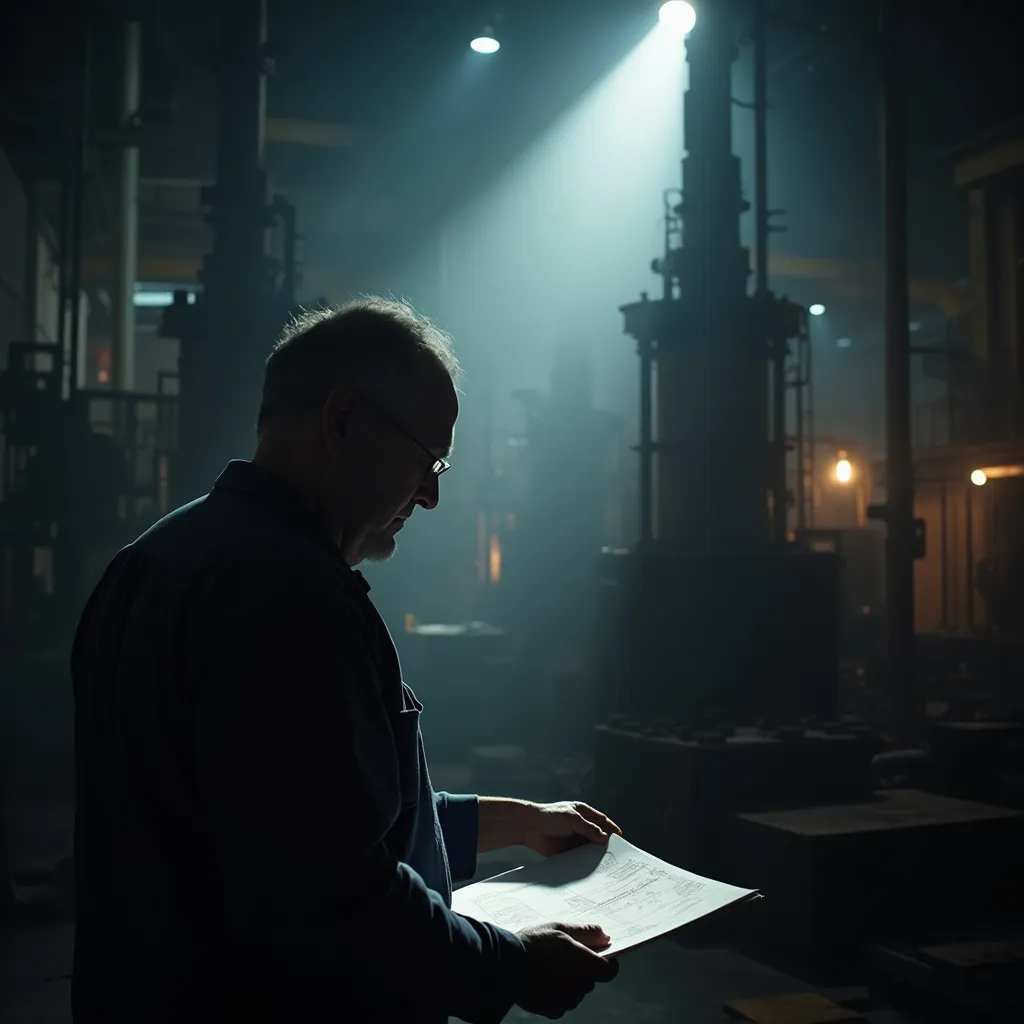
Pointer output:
593, 936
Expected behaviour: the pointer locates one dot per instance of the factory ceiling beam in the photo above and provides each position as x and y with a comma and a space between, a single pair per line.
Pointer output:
843, 279
181, 271
854, 280
994, 160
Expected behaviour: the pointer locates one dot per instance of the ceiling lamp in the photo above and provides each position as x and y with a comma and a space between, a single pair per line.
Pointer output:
677, 17
486, 42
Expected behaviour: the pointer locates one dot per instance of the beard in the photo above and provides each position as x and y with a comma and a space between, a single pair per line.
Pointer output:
379, 547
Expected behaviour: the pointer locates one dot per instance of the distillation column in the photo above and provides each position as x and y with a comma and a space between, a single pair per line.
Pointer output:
712, 402
714, 614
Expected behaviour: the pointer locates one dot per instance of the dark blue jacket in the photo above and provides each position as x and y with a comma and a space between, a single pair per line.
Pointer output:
257, 837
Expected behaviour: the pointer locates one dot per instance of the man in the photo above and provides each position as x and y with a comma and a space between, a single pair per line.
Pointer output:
257, 837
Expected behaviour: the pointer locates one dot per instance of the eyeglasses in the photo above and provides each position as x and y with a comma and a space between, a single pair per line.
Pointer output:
437, 466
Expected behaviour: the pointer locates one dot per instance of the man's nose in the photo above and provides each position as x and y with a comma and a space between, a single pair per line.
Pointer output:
429, 493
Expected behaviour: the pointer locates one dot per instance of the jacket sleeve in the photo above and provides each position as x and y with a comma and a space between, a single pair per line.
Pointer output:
459, 814
299, 784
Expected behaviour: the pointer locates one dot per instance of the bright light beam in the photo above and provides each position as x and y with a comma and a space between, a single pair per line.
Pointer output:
677, 17
572, 224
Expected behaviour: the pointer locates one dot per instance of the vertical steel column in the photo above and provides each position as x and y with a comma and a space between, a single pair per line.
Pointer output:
78, 172
222, 359
761, 145
900, 486
289, 250
801, 456
644, 348
122, 361
778, 477
30, 289
240, 218
812, 443
64, 230
944, 543
969, 555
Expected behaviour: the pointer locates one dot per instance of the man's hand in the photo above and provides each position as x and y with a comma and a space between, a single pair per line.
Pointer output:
562, 967
548, 829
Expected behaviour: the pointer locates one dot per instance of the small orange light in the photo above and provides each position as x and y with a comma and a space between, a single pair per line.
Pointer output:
495, 559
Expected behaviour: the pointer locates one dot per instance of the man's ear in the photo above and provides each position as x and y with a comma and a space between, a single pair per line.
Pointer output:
336, 415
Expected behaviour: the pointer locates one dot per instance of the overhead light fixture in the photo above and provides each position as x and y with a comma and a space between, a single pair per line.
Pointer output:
844, 469
677, 17
979, 478
486, 42
816, 310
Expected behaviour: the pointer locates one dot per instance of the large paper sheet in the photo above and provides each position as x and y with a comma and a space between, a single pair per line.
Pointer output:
633, 896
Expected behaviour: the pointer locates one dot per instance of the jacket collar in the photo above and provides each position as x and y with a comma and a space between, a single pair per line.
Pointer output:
267, 487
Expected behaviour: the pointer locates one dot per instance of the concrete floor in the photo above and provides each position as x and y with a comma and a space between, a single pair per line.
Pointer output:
659, 983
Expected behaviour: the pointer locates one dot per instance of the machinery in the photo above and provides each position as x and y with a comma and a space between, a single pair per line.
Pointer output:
86, 470
718, 608
721, 630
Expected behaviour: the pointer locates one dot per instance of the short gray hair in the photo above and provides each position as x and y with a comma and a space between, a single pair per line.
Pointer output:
372, 343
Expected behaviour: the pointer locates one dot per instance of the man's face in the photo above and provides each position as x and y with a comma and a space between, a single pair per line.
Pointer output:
390, 465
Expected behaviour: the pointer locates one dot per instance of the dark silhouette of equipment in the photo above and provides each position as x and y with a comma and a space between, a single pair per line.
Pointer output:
226, 335
86, 470
721, 631
716, 608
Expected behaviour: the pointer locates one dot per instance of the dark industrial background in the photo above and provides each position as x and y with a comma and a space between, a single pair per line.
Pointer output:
733, 545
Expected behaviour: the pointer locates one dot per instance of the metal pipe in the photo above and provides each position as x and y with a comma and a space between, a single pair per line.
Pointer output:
122, 354
969, 554
944, 542
79, 171
761, 144
289, 253
801, 454
778, 477
30, 303
646, 442
63, 338
780, 483
952, 433
900, 486
812, 442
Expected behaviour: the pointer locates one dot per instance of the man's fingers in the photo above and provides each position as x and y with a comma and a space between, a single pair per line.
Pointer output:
604, 967
588, 829
602, 821
593, 936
